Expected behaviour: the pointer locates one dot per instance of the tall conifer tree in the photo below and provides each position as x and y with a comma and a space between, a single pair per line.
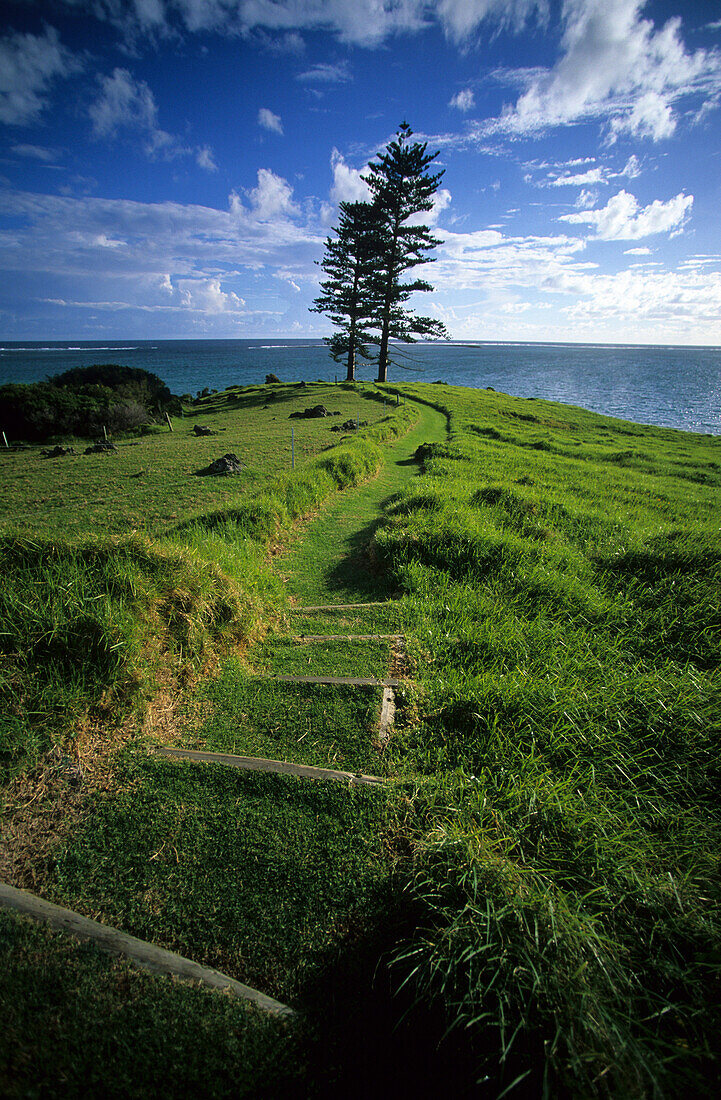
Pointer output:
401, 186
349, 295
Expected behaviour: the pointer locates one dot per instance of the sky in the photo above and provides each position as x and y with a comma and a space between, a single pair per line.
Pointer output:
172, 168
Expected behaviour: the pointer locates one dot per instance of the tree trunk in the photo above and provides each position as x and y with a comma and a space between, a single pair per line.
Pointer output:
383, 356
385, 330
350, 376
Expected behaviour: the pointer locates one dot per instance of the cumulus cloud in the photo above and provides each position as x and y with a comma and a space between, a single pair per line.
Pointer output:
29, 66
463, 101
614, 65
207, 296
621, 219
441, 202
271, 200
269, 121
107, 237
348, 186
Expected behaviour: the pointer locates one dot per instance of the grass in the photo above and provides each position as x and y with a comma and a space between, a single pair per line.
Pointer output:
326, 726
252, 874
545, 877
567, 595
59, 996
151, 484
90, 624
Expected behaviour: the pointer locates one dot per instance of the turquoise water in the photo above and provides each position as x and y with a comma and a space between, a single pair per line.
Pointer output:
676, 387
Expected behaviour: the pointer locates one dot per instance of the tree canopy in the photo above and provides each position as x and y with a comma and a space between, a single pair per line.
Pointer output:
348, 295
376, 243
402, 187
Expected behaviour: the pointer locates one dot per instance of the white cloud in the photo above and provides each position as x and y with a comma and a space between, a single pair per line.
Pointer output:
35, 152
61, 236
632, 167
270, 200
623, 220
125, 103
269, 121
642, 251
206, 296
325, 73
580, 179
614, 65
441, 202
651, 116
586, 199
463, 101
347, 183
461, 19
204, 158
29, 65
360, 22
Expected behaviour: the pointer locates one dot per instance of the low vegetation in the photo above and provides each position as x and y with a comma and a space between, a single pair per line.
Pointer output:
566, 571
84, 402
541, 872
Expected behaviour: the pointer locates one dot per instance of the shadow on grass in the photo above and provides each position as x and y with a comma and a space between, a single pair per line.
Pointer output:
358, 573
368, 1039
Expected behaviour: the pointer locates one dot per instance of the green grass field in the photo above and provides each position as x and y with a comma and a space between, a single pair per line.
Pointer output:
541, 875
151, 485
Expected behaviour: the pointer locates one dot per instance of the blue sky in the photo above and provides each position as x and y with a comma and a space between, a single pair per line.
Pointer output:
171, 168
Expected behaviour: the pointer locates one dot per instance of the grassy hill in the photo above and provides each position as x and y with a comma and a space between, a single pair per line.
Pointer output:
539, 877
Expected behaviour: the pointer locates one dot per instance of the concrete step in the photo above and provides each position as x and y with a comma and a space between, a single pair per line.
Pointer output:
279, 767
138, 952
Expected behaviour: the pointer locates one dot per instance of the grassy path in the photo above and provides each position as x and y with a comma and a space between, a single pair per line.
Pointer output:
281, 881
328, 562
323, 725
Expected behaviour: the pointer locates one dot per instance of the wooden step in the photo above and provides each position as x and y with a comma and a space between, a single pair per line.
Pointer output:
260, 764
349, 638
343, 606
387, 715
138, 952
351, 681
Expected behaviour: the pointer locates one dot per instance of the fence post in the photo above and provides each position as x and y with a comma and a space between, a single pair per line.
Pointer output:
169, 423
5, 440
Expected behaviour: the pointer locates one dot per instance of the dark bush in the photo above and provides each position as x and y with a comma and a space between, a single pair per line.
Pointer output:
132, 382
83, 401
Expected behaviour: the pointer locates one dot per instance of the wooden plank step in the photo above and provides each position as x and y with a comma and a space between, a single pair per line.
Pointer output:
349, 637
138, 952
352, 681
343, 606
260, 764
387, 716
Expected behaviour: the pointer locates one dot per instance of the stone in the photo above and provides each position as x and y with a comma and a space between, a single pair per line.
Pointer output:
201, 429
101, 448
58, 452
226, 466
310, 414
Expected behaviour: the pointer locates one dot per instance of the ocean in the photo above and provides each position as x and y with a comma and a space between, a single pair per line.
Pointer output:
675, 387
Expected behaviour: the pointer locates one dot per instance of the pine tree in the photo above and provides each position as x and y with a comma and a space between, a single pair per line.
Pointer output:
401, 187
349, 297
